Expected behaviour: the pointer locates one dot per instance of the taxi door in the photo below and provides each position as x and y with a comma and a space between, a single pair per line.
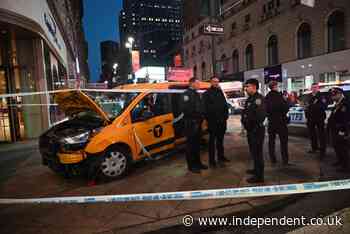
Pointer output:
152, 123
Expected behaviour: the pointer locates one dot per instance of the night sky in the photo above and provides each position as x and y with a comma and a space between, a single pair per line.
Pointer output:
100, 24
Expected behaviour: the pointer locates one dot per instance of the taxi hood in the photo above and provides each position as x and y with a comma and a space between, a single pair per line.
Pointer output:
75, 101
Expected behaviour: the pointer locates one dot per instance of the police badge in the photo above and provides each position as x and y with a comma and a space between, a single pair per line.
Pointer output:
186, 98
258, 102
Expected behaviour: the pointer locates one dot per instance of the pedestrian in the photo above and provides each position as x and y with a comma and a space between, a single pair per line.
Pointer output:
339, 124
253, 117
216, 113
315, 113
192, 123
276, 109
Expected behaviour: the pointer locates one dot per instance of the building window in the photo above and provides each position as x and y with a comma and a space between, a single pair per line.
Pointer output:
304, 41
247, 18
249, 57
235, 61
336, 31
224, 64
195, 71
272, 50
204, 72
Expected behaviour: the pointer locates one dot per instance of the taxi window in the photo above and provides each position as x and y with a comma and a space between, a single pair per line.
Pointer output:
152, 105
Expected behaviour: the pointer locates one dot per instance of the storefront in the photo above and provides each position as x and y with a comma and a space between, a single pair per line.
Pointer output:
330, 69
33, 58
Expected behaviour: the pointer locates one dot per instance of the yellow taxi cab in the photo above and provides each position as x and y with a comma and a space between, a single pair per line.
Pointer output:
105, 132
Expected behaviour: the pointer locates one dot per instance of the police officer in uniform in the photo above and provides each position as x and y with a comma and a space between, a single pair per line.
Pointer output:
315, 111
192, 123
339, 124
216, 114
277, 108
253, 117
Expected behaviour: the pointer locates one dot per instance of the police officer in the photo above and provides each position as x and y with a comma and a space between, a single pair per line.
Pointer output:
316, 114
253, 117
277, 108
216, 114
192, 123
339, 124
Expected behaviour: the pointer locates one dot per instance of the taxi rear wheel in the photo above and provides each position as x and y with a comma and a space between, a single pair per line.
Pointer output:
115, 163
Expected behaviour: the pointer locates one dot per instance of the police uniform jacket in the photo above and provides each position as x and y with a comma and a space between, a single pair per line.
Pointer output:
276, 108
254, 113
339, 120
215, 107
316, 108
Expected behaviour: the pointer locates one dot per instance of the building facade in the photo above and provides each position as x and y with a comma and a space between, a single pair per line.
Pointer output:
36, 54
109, 61
156, 26
296, 44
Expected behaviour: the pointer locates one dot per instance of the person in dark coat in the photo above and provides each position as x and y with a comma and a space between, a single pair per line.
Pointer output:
277, 108
216, 114
253, 117
192, 110
315, 113
339, 126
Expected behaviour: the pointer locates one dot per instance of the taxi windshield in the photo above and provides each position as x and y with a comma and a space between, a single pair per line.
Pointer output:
114, 103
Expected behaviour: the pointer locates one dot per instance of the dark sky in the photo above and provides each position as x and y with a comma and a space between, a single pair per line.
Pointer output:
100, 24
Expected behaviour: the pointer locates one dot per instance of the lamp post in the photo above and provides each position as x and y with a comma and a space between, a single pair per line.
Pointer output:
129, 45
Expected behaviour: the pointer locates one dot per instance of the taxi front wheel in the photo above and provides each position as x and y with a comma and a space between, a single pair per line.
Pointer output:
115, 163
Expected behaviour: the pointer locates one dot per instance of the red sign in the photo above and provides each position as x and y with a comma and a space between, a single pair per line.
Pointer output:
135, 58
179, 74
177, 60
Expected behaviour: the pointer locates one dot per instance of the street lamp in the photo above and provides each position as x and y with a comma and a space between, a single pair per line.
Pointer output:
129, 45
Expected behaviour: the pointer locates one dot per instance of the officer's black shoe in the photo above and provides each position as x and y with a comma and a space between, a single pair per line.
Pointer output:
195, 170
312, 152
224, 160
203, 167
255, 179
212, 165
250, 171
336, 164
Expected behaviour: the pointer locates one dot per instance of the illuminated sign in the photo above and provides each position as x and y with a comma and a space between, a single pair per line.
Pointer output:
177, 60
135, 58
179, 74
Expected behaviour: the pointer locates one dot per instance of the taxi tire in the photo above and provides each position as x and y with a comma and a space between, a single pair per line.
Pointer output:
121, 154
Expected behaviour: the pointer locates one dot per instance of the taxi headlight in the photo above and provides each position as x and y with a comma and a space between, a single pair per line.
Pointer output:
78, 139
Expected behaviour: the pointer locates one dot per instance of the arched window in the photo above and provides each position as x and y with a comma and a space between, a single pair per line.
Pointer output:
304, 41
336, 31
195, 71
249, 57
204, 72
235, 61
224, 64
272, 49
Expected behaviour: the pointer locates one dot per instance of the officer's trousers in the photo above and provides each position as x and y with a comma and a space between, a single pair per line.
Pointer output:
341, 149
216, 140
282, 131
193, 150
317, 135
256, 143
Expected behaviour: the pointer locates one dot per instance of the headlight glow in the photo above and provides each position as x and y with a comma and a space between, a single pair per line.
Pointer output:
78, 139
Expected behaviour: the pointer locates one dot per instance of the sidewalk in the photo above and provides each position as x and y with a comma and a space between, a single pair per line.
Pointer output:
325, 229
18, 146
169, 174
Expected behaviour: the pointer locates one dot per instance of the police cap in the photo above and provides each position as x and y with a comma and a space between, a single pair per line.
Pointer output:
253, 82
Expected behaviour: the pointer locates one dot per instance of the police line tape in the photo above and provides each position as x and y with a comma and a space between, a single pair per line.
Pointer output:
271, 190
23, 94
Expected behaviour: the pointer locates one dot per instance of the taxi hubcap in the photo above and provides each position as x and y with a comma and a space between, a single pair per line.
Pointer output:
114, 164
